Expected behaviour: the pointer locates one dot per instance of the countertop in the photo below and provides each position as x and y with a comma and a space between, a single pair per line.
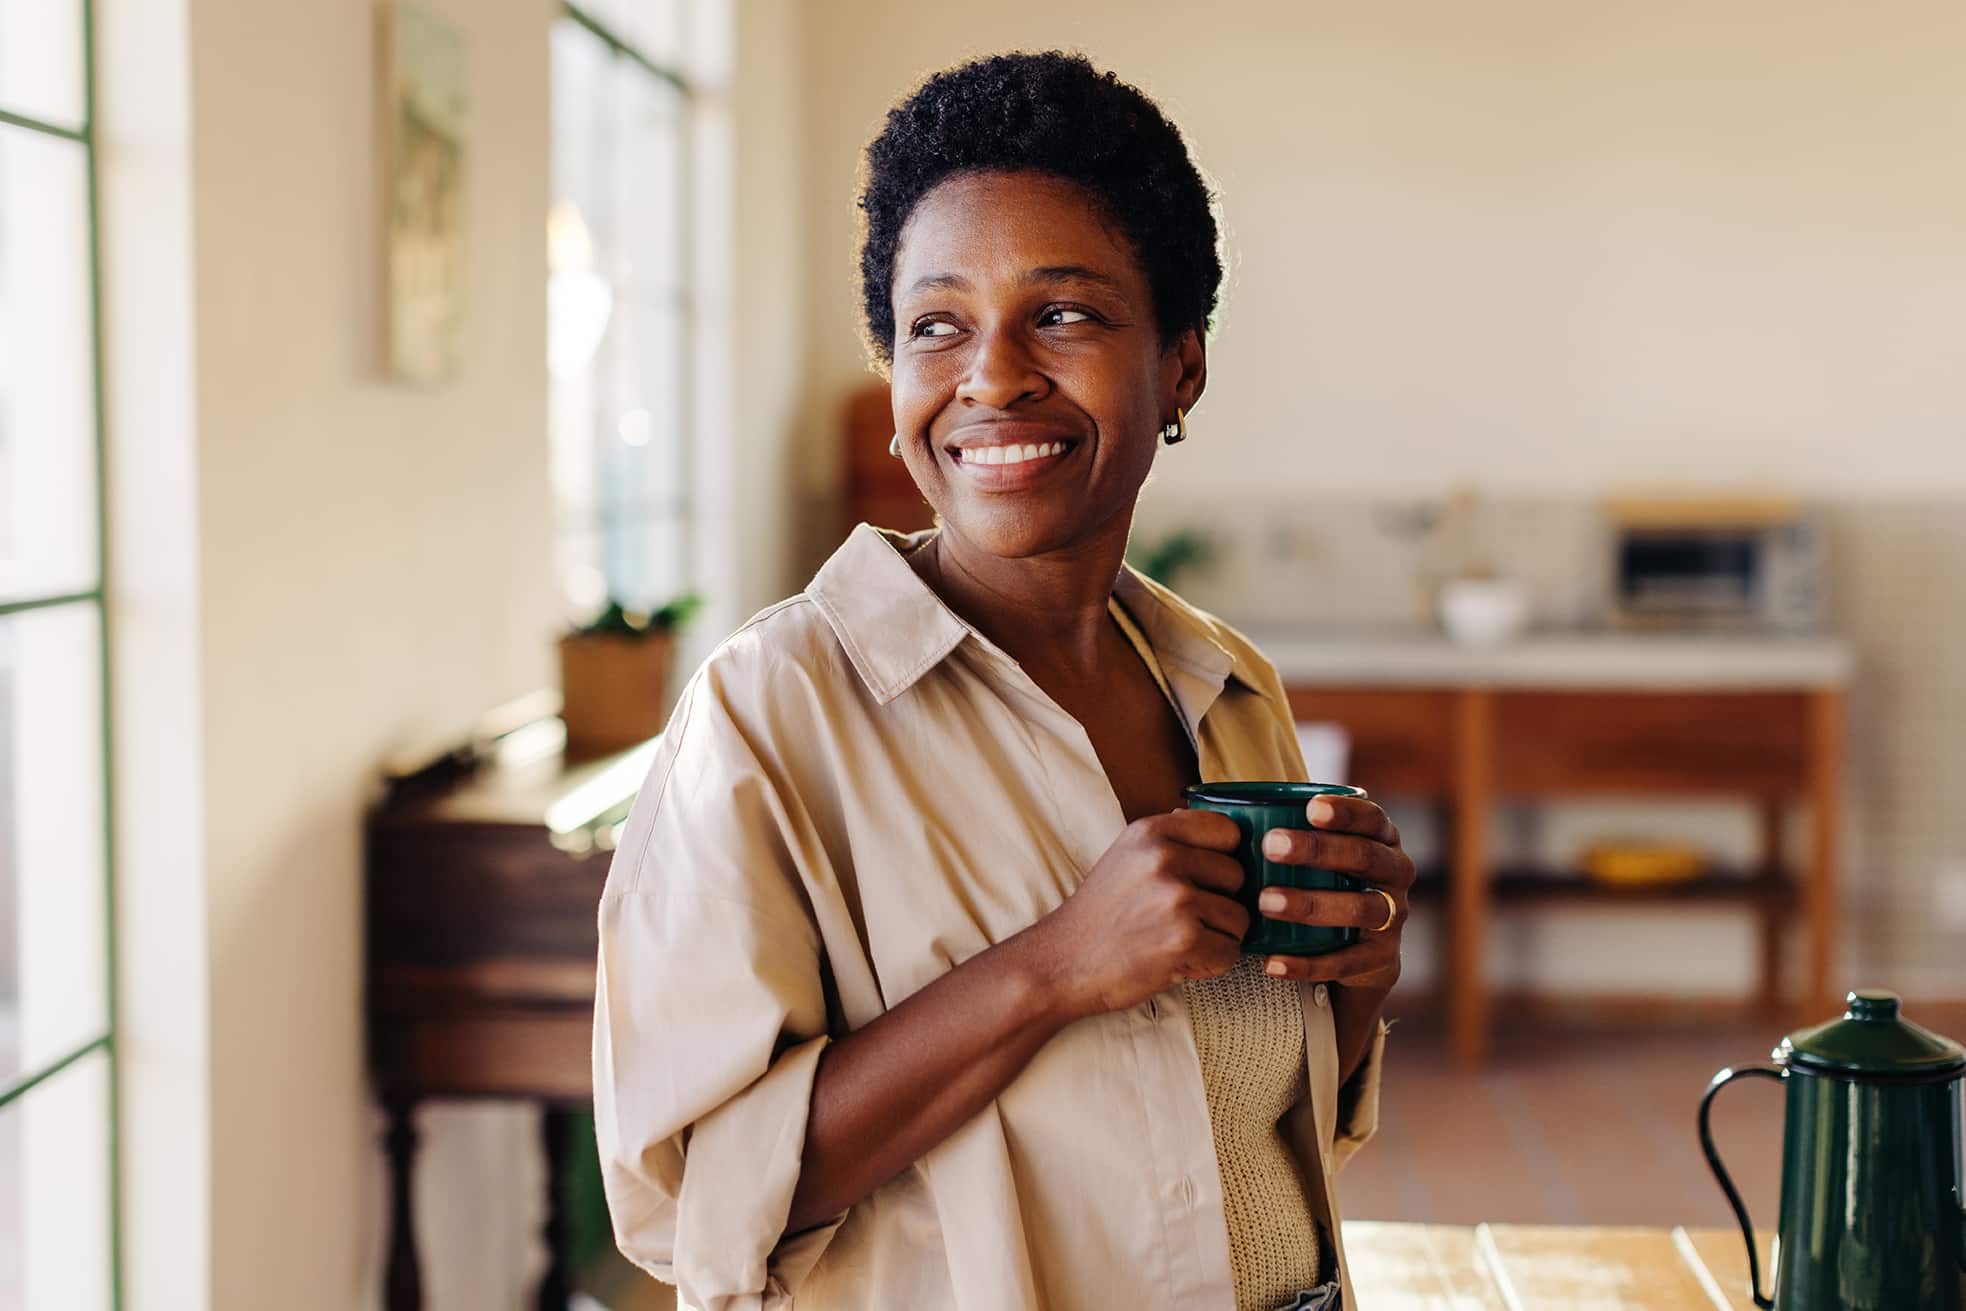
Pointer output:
1562, 661
1413, 1267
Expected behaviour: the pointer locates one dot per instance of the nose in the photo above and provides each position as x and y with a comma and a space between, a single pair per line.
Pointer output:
1002, 371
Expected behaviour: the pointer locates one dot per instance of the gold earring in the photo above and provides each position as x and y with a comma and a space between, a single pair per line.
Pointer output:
1176, 431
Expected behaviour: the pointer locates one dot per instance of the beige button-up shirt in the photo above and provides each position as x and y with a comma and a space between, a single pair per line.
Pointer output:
857, 792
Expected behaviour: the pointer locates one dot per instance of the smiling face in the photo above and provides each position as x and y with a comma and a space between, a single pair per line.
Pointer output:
1029, 379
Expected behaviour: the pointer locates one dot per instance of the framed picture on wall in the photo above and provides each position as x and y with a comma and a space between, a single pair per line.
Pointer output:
424, 149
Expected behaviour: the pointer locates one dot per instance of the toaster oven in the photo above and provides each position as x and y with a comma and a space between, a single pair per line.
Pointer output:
1713, 563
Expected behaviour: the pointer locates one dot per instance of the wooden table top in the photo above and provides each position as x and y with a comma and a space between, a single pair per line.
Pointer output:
1414, 1267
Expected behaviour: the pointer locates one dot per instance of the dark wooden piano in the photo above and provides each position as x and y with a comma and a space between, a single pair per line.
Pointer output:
484, 873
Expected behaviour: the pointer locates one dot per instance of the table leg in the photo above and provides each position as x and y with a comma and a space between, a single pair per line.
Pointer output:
403, 1282
555, 1131
1773, 913
1825, 848
1467, 892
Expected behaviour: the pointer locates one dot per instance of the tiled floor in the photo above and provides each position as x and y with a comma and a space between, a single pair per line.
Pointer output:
1571, 1125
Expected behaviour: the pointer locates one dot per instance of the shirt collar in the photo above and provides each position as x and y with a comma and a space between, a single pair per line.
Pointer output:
894, 628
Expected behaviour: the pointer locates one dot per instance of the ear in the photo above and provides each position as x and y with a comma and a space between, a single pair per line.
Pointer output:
1184, 366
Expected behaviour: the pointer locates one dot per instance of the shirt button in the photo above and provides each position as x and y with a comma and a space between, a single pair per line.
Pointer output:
1153, 1008
1187, 1190
1321, 995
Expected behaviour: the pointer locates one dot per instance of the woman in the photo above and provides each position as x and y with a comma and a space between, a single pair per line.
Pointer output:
919, 988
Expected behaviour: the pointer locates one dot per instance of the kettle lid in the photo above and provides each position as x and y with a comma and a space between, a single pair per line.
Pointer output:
1872, 1040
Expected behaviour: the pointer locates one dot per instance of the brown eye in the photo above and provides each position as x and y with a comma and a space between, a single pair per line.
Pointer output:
1063, 314
933, 328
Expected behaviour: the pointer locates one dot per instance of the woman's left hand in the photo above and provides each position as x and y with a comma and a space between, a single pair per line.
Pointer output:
1352, 836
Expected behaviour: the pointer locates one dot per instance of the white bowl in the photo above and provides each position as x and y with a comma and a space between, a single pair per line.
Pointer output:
1483, 611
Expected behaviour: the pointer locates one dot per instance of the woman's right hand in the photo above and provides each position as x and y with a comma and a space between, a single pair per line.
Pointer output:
1157, 909
1154, 910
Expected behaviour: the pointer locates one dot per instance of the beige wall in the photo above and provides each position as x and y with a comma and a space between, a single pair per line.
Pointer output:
1532, 244
751, 288
374, 561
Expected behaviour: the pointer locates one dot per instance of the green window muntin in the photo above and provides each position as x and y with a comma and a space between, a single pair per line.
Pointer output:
78, 595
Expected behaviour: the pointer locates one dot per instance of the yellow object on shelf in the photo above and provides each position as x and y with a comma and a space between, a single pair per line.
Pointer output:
1639, 865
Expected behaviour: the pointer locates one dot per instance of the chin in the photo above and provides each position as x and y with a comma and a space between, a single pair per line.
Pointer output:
1006, 542
1013, 534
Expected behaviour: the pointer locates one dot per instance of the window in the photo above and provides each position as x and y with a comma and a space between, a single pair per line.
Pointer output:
57, 1011
618, 304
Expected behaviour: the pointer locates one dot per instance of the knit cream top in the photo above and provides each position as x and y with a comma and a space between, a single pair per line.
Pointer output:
1249, 1033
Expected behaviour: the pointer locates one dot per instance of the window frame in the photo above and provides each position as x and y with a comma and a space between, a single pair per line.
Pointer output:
600, 516
93, 598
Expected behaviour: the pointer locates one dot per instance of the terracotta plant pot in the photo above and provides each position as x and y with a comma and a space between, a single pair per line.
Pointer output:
613, 689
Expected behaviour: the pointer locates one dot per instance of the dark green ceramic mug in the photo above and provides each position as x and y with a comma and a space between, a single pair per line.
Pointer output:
1258, 807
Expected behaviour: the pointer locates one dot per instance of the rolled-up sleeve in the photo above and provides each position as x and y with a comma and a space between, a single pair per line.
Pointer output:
709, 1018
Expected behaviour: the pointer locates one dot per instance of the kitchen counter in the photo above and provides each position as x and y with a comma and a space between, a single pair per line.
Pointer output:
1556, 717
1557, 661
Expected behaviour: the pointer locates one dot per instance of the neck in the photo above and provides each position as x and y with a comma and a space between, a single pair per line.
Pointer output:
1046, 611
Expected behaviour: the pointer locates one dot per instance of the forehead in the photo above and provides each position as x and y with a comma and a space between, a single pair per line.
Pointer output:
990, 227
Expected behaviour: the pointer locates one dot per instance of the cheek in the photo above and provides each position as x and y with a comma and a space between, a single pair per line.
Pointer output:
1124, 402
917, 394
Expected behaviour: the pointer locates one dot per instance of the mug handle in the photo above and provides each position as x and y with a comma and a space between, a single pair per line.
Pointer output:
1720, 1081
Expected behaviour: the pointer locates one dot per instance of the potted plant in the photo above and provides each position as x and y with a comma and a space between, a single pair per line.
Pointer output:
614, 675
1177, 553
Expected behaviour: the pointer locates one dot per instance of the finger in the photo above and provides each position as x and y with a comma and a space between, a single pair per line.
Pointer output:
1352, 815
1212, 871
1209, 829
1338, 910
1365, 961
1225, 915
1216, 958
1343, 852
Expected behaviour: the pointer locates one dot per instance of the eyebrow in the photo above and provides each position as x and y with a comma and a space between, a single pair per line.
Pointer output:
1072, 273
1047, 273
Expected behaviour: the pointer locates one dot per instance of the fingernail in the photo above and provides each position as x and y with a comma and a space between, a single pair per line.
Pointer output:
1270, 902
1275, 844
1322, 811
1275, 967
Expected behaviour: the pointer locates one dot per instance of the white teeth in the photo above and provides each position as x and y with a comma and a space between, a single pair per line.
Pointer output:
1010, 454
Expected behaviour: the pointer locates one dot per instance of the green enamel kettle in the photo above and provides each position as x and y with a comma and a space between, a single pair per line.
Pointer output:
1873, 1210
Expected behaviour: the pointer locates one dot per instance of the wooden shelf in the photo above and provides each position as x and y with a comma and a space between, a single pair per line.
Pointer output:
1522, 885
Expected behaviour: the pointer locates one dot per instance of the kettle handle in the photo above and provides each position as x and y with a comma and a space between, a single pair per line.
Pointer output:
1720, 1081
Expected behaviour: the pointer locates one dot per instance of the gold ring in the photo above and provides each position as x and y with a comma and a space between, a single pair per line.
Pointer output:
1392, 910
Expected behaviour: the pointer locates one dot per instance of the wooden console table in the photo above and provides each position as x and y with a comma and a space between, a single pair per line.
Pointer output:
1411, 1267
482, 888
1757, 719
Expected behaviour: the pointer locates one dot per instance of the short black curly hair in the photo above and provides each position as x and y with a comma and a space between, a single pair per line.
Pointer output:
1055, 113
